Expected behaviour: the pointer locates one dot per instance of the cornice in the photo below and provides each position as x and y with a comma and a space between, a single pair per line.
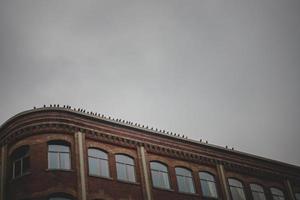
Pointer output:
17, 128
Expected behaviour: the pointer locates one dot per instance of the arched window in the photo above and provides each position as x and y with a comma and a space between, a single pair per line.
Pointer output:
297, 196
257, 192
236, 189
208, 185
277, 194
59, 155
184, 180
125, 168
160, 175
98, 162
20, 161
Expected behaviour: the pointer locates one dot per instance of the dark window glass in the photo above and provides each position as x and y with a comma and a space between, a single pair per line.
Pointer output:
98, 162
208, 185
277, 194
236, 189
59, 156
20, 161
257, 192
125, 168
160, 175
184, 180
297, 195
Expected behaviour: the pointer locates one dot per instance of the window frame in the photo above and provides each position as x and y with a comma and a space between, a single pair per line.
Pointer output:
58, 155
160, 172
126, 165
185, 178
210, 181
99, 162
23, 148
279, 189
230, 186
254, 191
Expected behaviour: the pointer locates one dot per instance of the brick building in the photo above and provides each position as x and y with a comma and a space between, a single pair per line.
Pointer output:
62, 153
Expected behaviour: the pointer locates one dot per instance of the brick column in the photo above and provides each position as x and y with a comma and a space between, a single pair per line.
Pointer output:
145, 181
80, 164
3, 168
223, 182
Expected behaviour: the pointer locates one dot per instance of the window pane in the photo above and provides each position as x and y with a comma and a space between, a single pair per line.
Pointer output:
277, 194
235, 183
165, 180
124, 159
65, 161
53, 147
276, 191
206, 176
158, 166
97, 153
185, 184
208, 189
183, 172
104, 171
160, 179
53, 160
130, 173
121, 171
25, 166
257, 188
17, 168
257, 192
94, 166
258, 196
237, 193
297, 195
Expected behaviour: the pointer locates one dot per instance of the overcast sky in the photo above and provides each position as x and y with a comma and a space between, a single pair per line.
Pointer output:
224, 71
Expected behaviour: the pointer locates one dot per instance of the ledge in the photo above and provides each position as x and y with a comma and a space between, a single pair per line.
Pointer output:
128, 182
102, 177
20, 177
59, 170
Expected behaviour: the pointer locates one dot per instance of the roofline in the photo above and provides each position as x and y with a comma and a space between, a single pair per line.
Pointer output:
127, 124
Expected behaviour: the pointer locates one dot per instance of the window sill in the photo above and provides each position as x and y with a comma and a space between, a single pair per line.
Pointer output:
60, 170
186, 193
163, 189
19, 177
103, 177
128, 182
210, 198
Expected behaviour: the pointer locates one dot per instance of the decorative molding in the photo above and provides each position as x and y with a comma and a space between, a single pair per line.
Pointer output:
47, 123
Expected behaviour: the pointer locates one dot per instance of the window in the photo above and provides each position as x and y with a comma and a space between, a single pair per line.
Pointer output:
184, 180
277, 194
160, 175
257, 192
59, 156
208, 185
20, 161
297, 195
236, 189
98, 163
125, 168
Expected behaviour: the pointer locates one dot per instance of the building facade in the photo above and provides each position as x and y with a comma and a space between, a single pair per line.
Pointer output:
62, 153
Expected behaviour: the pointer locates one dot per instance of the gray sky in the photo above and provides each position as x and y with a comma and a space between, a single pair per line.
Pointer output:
224, 71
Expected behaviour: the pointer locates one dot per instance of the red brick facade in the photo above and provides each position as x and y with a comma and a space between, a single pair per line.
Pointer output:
35, 128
